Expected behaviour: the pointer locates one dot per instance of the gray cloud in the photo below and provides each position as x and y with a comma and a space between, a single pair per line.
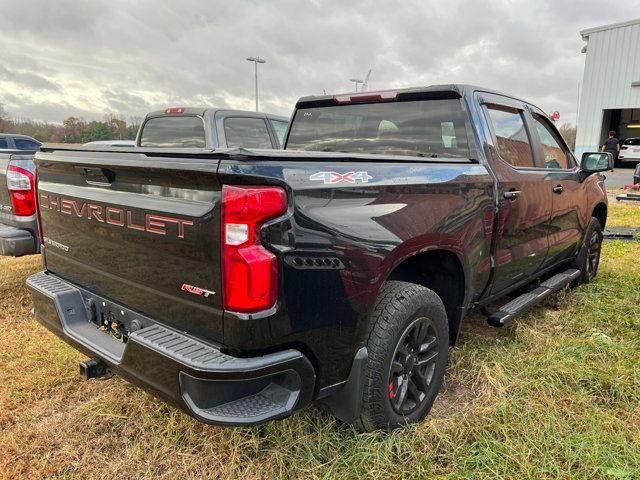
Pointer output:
90, 58
29, 79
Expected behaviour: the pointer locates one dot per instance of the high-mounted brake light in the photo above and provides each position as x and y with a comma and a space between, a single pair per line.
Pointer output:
174, 110
21, 185
381, 96
249, 271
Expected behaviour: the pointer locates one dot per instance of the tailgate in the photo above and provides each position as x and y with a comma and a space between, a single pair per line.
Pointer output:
141, 229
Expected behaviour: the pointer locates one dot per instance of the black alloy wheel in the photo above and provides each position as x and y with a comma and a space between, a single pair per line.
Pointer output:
413, 366
594, 246
407, 345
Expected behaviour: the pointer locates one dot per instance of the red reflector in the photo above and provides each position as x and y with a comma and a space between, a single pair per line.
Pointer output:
249, 271
174, 110
21, 187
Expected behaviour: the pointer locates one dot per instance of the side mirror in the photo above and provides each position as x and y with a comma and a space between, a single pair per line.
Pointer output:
593, 162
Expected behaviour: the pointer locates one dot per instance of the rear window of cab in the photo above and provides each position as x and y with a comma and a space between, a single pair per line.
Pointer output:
176, 131
420, 128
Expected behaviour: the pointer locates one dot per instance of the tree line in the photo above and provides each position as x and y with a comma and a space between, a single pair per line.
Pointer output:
73, 129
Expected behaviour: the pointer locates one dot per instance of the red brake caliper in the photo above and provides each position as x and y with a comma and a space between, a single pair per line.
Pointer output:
391, 393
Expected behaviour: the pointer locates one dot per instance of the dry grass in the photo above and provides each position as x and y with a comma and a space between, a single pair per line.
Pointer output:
555, 395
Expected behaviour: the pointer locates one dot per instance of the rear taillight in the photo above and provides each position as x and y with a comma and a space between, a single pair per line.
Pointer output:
21, 185
249, 271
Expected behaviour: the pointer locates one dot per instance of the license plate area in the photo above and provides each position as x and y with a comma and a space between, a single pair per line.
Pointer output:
112, 319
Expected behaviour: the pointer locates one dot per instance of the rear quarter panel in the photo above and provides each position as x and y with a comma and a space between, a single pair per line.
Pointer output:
366, 229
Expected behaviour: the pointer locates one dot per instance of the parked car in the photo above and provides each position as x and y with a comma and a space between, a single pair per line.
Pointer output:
630, 150
209, 128
110, 143
18, 222
243, 285
11, 141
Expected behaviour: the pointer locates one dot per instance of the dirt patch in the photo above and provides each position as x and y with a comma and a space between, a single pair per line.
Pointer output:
453, 398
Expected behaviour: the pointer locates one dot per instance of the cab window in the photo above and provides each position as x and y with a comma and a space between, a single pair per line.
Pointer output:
246, 132
554, 155
511, 136
179, 131
280, 128
26, 144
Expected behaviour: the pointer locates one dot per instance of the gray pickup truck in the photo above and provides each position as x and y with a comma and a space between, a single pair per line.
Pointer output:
18, 223
182, 127
13, 141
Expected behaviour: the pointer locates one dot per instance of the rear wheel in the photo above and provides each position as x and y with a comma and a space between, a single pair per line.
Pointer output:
588, 259
408, 347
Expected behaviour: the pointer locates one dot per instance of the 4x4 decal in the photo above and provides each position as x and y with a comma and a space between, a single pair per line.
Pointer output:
330, 178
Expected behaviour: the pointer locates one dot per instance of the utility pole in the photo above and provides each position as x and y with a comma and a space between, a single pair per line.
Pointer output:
256, 61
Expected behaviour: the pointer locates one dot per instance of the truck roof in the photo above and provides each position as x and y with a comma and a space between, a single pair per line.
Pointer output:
209, 111
453, 90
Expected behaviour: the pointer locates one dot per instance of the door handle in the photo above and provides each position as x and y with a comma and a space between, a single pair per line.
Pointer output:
558, 189
511, 194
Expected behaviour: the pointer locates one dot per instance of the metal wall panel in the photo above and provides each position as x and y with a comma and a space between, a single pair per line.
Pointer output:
611, 66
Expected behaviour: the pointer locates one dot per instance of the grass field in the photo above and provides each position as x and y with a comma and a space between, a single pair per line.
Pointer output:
554, 395
624, 214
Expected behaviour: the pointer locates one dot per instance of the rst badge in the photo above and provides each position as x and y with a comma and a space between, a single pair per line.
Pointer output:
196, 291
331, 178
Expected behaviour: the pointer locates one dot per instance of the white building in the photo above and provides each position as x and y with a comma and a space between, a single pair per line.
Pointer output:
610, 98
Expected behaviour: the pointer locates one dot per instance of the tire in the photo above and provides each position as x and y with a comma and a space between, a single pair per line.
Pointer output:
408, 326
588, 258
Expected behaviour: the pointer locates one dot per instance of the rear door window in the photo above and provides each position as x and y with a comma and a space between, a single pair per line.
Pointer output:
180, 131
280, 128
246, 132
24, 144
3, 143
554, 154
512, 139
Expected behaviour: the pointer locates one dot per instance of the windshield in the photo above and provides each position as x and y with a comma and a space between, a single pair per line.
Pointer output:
425, 128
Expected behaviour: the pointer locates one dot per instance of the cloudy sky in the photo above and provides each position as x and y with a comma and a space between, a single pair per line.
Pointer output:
89, 58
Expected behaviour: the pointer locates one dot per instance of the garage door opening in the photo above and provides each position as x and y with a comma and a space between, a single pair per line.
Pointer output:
624, 121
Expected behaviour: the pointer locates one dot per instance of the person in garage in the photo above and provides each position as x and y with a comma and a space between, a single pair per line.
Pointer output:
612, 145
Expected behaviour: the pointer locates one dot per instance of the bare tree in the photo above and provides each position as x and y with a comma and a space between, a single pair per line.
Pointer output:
73, 128
4, 119
568, 132
117, 126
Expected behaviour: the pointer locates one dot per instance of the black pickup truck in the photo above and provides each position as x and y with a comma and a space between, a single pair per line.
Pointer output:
243, 285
